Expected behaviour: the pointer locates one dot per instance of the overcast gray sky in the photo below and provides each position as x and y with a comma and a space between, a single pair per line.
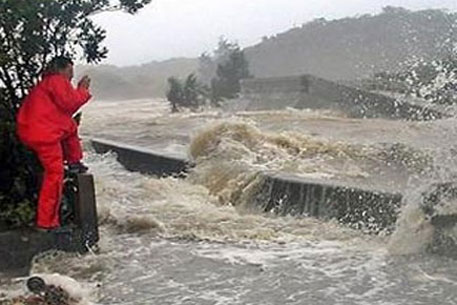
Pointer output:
186, 28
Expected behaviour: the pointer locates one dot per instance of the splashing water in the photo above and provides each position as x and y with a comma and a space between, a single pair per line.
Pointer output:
232, 150
414, 232
192, 212
78, 293
200, 240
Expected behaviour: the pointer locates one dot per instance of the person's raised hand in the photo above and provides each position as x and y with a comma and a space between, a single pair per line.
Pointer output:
84, 82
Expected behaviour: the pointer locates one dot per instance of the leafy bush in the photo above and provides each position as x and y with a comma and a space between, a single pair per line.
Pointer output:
31, 33
224, 70
188, 94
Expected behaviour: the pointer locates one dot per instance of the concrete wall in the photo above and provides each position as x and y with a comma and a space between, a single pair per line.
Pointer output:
142, 160
272, 93
370, 210
19, 246
308, 91
365, 209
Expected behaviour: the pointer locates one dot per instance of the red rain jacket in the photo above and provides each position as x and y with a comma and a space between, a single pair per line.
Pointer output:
46, 113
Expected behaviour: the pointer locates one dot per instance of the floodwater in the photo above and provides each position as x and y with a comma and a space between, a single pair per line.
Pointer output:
188, 241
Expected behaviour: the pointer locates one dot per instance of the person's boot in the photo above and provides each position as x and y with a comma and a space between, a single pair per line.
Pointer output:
77, 168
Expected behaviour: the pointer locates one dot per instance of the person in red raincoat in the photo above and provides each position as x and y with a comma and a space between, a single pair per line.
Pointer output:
45, 124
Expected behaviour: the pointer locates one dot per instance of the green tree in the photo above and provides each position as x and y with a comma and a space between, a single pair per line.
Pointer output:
229, 73
208, 62
194, 92
188, 94
31, 33
175, 93
206, 68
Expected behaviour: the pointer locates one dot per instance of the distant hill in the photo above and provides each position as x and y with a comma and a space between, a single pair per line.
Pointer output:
351, 48
148, 80
344, 49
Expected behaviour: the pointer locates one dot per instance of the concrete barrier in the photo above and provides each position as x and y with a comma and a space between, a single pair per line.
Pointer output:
143, 160
78, 233
19, 247
370, 210
307, 91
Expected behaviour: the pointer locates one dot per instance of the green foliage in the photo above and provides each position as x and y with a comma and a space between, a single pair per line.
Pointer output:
18, 185
18, 214
206, 68
191, 92
226, 85
208, 63
224, 70
31, 33
175, 93
188, 94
